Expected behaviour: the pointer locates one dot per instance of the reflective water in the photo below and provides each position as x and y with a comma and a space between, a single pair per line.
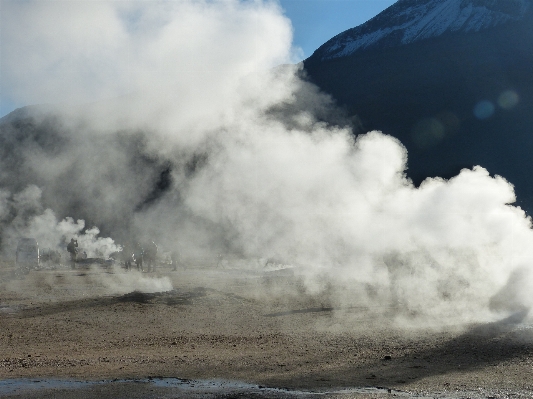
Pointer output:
24, 384
169, 387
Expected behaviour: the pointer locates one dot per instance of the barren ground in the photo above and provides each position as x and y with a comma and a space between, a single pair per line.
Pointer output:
214, 325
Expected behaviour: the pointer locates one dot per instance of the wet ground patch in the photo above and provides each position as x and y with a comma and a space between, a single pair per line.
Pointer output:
172, 388
159, 387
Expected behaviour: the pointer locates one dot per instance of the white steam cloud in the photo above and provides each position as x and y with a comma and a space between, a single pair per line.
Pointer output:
248, 159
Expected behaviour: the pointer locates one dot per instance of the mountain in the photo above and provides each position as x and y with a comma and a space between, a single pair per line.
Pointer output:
451, 79
410, 21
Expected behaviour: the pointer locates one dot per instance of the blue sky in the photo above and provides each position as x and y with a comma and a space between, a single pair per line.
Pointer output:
317, 21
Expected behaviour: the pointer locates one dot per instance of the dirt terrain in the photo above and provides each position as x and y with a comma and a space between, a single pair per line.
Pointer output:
215, 323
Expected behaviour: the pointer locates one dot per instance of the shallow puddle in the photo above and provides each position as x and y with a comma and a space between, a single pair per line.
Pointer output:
169, 387
33, 384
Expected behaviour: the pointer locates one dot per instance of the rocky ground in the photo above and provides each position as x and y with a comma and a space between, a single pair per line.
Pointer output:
95, 324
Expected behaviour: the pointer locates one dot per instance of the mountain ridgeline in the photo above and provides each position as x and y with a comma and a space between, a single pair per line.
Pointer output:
451, 79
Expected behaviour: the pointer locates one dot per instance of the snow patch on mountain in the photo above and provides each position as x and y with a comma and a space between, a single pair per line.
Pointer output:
408, 21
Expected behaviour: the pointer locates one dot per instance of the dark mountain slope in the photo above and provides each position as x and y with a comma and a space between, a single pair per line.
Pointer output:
456, 100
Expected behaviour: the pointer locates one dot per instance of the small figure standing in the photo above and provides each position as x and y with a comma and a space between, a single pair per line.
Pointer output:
150, 254
127, 256
174, 258
138, 256
72, 249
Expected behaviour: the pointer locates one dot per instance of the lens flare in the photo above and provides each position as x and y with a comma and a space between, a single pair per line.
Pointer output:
428, 133
508, 99
484, 109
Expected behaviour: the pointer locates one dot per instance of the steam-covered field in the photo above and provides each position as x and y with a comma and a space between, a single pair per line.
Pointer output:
227, 324
307, 257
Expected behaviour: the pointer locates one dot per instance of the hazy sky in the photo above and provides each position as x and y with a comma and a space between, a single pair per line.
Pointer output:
314, 22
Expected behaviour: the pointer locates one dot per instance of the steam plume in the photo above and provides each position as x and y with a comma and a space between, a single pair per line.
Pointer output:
191, 136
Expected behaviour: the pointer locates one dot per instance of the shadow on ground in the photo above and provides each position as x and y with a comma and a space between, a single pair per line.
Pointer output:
486, 345
170, 298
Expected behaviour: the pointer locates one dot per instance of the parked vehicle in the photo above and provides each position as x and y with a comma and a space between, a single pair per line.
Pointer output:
83, 260
27, 255
49, 257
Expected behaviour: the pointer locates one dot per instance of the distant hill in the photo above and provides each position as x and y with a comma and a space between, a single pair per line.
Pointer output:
452, 79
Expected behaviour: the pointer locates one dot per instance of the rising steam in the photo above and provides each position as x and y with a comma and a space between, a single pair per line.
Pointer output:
190, 134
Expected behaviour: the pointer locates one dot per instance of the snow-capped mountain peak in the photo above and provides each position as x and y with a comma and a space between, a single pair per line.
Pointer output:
408, 21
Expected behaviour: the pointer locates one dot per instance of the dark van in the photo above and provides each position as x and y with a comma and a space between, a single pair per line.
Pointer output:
27, 253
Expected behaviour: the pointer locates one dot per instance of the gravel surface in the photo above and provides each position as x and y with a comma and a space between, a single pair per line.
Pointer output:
93, 325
